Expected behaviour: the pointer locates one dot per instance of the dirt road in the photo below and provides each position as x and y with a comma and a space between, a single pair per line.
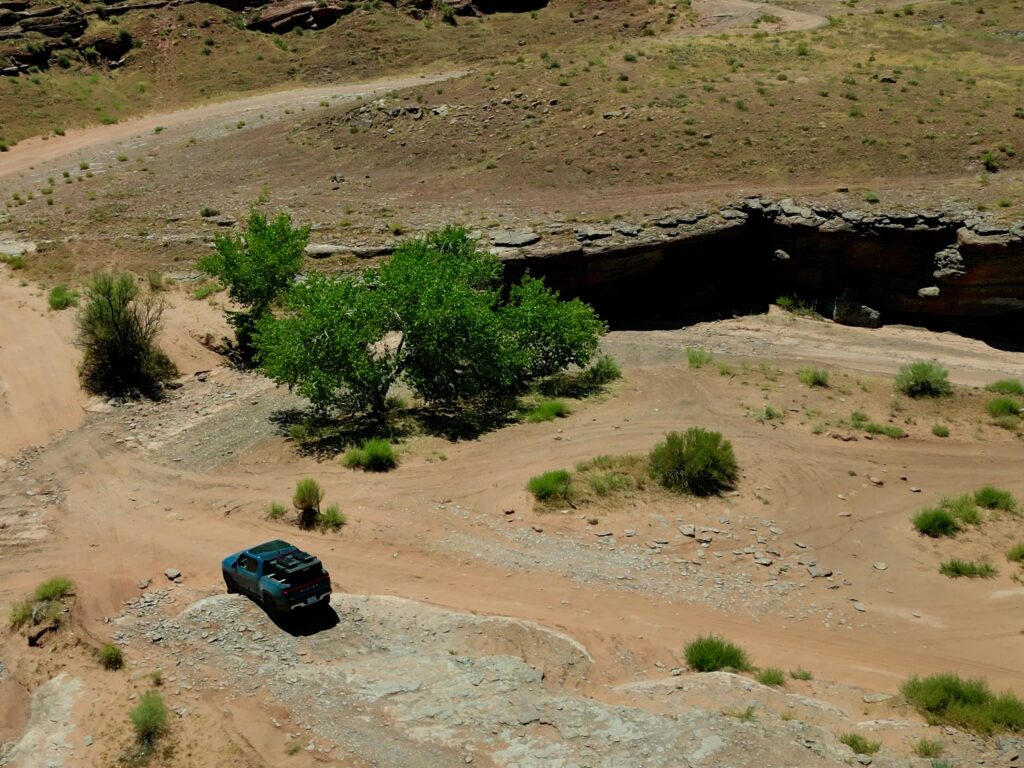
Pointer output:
33, 154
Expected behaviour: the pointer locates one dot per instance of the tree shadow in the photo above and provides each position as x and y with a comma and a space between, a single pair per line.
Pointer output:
465, 423
324, 436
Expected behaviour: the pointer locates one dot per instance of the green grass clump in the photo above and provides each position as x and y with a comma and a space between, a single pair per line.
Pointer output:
923, 379
548, 410
580, 384
800, 674
962, 507
990, 497
149, 718
61, 297
771, 676
374, 455
860, 744
972, 569
551, 486
308, 495
1006, 387
709, 653
927, 748
54, 589
111, 657
768, 413
331, 519
1003, 406
697, 357
604, 371
889, 430
796, 306
813, 377
948, 699
276, 511
205, 290
936, 522
940, 430
698, 462
1015, 554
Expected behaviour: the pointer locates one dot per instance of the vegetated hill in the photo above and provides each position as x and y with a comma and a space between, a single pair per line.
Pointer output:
73, 64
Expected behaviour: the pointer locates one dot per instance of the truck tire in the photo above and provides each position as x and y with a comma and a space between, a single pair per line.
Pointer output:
268, 605
230, 584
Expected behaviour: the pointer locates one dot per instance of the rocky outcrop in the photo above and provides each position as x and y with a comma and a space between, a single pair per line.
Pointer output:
287, 15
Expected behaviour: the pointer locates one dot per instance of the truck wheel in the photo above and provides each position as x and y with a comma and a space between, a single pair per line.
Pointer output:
268, 605
230, 584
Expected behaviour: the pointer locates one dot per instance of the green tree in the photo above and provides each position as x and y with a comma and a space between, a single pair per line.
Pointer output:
117, 333
437, 316
257, 267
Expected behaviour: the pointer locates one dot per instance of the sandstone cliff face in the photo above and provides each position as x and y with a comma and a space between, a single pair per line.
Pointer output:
32, 34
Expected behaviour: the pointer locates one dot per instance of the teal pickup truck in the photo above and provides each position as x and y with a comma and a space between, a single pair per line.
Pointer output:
279, 576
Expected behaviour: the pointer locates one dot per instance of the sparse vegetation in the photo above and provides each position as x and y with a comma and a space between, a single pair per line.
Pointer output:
551, 486
117, 333
813, 377
771, 676
149, 718
306, 499
1007, 387
927, 748
796, 306
331, 519
979, 569
46, 603
800, 674
860, 744
923, 379
698, 462
697, 357
940, 430
549, 410
948, 699
709, 653
991, 497
1003, 406
374, 455
61, 297
111, 657
276, 511
1015, 554
936, 522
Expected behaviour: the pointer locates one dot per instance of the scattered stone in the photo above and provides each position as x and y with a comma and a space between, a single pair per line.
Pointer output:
513, 238
859, 607
173, 574
143, 583
914, 489
876, 698
880, 566
876, 481
819, 571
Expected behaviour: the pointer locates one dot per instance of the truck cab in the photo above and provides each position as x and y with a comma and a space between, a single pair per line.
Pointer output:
279, 576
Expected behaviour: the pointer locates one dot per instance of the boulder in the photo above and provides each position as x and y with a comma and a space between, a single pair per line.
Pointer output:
513, 238
847, 312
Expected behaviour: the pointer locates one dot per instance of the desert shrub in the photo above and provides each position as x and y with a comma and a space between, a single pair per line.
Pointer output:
697, 357
936, 522
1003, 406
549, 410
550, 486
54, 589
14, 262
374, 455
331, 519
889, 430
1006, 387
111, 657
205, 290
800, 674
962, 508
796, 306
307, 497
20, 614
969, 704
940, 430
972, 569
813, 377
860, 744
927, 748
584, 383
1010, 423
1015, 554
709, 653
61, 297
207, 212
990, 497
276, 511
767, 413
117, 334
149, 718
604, 370
771, 676
156, 281
698, 462
922, 379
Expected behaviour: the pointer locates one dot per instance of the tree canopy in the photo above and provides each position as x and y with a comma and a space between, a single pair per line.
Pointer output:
257, 267
436, 316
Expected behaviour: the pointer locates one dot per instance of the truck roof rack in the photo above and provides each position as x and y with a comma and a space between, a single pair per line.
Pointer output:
291, 562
